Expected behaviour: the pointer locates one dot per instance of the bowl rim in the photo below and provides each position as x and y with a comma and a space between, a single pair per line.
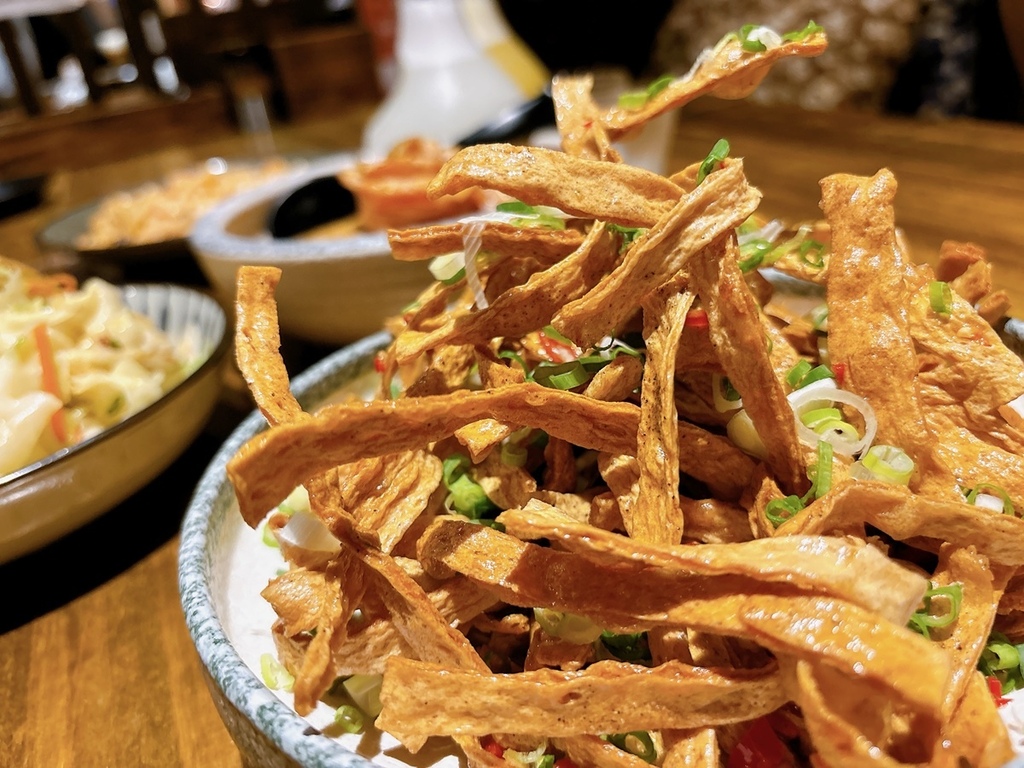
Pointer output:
290, 732
212, 360
211, 241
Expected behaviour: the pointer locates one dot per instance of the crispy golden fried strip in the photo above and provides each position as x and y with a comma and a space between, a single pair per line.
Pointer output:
386, 501
715, 522
656, 515
714, 460
730, 73
271, 464
843, 567
697, 748
606, 697
258, 344
631, 597
722, 202
839, 742
869, 327
906, 516
527, 307
617, 380
856, 642
577, 118
598, 752
978, 373
344, 590
737, 333
591, 189
422, 243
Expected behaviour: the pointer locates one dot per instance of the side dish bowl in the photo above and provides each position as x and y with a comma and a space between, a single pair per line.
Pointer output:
67, 489
334, 290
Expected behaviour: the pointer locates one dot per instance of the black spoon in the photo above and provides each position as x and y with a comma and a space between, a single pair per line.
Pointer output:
325, 199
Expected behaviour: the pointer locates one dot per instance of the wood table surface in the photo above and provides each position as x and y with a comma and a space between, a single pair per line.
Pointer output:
97, 667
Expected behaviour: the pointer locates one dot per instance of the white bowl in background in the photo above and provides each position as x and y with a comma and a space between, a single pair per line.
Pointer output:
333, 290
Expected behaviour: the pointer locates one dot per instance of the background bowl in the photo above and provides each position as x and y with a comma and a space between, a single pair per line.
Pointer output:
333, 290
65, 490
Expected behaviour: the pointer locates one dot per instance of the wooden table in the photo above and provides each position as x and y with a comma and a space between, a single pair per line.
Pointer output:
96, 665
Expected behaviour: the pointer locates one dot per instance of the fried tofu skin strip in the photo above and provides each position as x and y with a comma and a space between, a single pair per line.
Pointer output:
845, 567
906, 516
976, 732
591, 189
423, 243
577, 118
737, 334
868, 319
729, 73
975, 373
656, 516
272, 463
258, 345
631, 597
527, 307
722, 202
606, 697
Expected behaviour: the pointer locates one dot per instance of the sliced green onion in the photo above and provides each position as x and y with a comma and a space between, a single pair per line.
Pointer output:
515, 206
637, 743
753, 252
467, 497
803, 373
1004, 661
349, 719
741, 431
561, 375
448, 268
540, 221
940, 297
274, 674
994, 490
717, 154
812, 253
750, 44
924, 620
803, 34
513, 454
567, 626
819, 317
269, 538
823, 470
637, 99
546, 761
364, 690
628, 647
817, 416
797, 373
779, 511
628, 234
508, 354
889, 463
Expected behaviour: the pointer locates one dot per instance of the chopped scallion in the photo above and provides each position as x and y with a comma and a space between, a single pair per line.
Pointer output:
779, 511
994, 490
940, 297
802, 34
274, 674
349, 719
927, 616
889, 463
717, 154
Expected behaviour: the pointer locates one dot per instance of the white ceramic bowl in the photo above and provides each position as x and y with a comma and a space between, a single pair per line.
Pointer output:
223, 565
219, 576
333, 290
57, 494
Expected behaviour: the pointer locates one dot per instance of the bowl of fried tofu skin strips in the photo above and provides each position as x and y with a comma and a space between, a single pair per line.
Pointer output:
101, 388
643, 476
340, 282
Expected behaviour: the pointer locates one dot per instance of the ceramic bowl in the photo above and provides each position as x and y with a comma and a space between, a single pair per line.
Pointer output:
333, 290
220, 560
57, 494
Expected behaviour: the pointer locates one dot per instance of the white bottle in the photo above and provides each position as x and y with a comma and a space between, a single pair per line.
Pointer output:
446, 87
